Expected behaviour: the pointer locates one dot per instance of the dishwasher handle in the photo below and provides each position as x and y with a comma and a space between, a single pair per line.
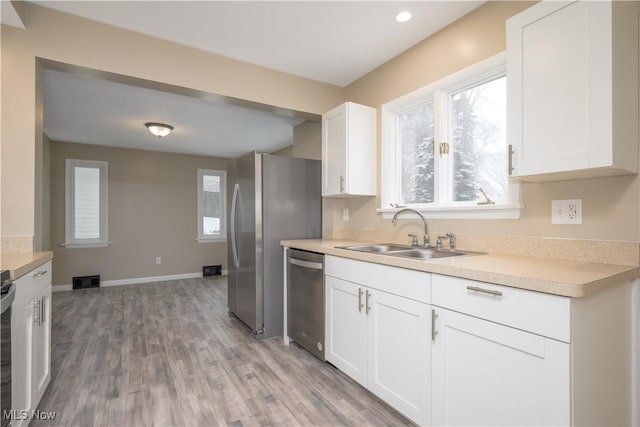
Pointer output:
306, 264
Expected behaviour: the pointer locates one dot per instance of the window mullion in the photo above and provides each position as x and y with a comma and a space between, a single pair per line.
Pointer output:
442, 196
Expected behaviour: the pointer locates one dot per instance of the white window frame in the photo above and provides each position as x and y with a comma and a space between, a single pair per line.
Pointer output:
223, 214
70, 241
439, 93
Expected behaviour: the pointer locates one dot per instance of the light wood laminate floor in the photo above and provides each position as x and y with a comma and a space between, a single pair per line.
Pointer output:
168, 354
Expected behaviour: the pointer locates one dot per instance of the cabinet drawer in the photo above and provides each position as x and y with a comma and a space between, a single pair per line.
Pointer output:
406, 283
34, 281
543, 314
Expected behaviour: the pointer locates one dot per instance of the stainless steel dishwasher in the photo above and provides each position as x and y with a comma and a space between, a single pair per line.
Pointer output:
305, 300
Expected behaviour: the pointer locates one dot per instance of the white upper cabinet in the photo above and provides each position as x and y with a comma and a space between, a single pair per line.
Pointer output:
349, 151
573, 90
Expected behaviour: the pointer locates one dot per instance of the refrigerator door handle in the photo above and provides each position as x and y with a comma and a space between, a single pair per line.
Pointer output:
234, 203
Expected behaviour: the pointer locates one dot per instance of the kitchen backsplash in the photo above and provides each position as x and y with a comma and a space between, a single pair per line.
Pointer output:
597, 251
17, 244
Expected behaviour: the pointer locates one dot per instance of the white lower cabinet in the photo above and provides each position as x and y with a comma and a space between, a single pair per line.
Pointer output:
449, 351
399, 354
377, 338
346, 328
505, 356
484, 373
41, 344
31, 342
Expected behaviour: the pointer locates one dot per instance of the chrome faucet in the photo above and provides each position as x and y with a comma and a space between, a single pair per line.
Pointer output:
452, 242
426, 228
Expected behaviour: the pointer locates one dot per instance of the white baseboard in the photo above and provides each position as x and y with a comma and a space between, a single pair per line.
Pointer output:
137, 280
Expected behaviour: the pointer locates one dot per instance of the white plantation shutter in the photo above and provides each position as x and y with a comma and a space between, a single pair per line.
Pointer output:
86, 203
211, 205
86, 206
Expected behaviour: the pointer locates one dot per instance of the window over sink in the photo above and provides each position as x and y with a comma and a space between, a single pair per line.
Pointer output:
444, 148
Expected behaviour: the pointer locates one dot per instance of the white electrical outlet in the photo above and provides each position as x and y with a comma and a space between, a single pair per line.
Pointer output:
158, 260
345, 214
566, 211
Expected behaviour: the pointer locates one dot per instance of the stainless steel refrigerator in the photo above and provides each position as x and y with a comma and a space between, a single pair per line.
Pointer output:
270, 198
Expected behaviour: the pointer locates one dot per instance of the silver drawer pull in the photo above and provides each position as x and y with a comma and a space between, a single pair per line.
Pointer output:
40, 273
485, 291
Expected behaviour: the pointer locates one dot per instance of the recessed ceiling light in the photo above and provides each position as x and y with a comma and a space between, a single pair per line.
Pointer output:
403, 16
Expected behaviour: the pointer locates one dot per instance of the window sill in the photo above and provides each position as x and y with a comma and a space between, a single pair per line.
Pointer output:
497, 211
84, 245
211, 239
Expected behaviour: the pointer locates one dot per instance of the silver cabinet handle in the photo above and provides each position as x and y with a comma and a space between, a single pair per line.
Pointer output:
37, 312
40, 273
510, 167
305, 264
368, 294
485, 291
43, 310
341, 184
433, 325
360, 300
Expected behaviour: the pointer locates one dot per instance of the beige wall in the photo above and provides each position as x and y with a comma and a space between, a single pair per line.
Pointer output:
77, 41
307, 140
286, 151
152, 201
611, 206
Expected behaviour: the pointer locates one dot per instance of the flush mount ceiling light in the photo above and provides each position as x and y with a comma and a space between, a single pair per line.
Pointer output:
403, 16
159, 129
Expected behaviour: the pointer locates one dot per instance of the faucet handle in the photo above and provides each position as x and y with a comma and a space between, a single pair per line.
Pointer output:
452, 241
414, 239
439, 242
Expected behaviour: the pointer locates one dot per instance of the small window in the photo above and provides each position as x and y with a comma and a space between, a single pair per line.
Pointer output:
444, 148
86, 203
211, 205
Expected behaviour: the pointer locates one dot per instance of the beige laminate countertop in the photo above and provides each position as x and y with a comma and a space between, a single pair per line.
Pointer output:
558, 277
21, 263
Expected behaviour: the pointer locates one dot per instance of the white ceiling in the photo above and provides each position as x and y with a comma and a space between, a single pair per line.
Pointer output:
331, 41
85, 109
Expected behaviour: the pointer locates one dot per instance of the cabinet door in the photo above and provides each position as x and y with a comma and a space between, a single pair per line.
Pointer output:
399, 357
345, 326
489, 374
41, 336
334, 151
560, 96
22, 351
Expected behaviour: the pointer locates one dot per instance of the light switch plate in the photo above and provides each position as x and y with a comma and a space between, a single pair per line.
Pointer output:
566, 211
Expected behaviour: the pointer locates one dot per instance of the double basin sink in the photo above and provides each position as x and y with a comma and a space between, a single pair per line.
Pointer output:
404, 251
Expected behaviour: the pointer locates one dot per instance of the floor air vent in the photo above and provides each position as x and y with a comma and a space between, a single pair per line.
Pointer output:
211, 270
82, 282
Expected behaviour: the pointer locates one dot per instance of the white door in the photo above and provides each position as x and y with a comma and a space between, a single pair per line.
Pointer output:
345, 326
489, 374
41, 362
334, 151
399, 341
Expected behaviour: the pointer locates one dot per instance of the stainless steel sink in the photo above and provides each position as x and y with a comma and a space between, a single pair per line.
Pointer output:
424, 253
406, 251
377, 248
